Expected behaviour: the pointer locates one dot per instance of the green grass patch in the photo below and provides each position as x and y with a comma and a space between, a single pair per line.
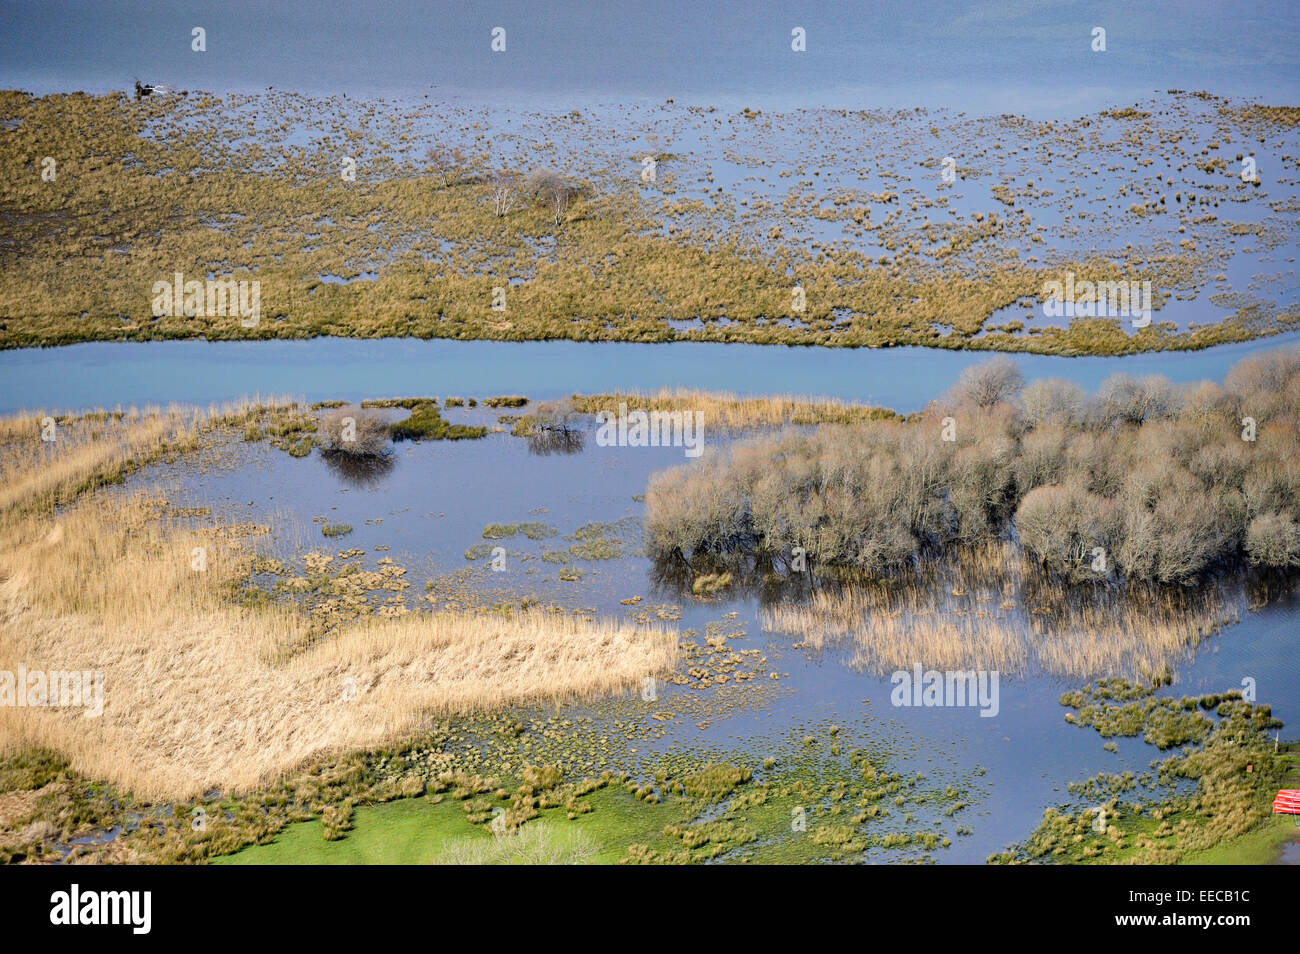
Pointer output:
502, 531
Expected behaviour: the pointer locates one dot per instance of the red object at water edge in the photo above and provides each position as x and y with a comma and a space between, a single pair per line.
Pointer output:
1287, 801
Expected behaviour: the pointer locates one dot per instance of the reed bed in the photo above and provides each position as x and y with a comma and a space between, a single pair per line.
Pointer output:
724, 410
83, 452
201, 692
48, 458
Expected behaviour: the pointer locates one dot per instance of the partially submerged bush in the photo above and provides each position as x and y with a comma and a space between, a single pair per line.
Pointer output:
556, 427
1063, 524
355, 431
1273, 539
1051, 399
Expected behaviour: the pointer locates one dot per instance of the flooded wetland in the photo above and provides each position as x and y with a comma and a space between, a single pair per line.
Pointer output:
422, 475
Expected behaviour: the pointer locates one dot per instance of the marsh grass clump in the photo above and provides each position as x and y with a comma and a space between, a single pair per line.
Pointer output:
336, 820
464, 432
288, 427
710, 839
713, 783
710, 584
336, 529
424, 423
504, 531
591, 541
1162, 721
427, 423
409, 403
731, 412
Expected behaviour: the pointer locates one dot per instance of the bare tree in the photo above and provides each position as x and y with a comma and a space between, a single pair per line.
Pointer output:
1049, 399
988, 383
447, 164
556, 190
1273, 539
1126, 400
504, 192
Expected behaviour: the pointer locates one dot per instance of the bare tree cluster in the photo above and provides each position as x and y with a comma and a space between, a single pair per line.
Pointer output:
554, 190
1144, 480
504, 192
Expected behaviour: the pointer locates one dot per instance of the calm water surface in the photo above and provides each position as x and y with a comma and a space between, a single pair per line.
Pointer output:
105, 374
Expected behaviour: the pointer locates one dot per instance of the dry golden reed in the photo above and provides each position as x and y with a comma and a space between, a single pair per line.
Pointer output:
200, 692
727, 411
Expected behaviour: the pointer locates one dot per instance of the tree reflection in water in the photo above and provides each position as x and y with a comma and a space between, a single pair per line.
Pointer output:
556, 440
361, 471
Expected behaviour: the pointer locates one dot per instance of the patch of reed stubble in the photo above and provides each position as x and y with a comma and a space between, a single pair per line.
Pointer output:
990, 607
98, 447
85, 451
726, 411
199, 692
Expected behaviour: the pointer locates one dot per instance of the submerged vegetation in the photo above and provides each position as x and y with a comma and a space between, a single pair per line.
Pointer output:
550, 239
1218, 785
426, 423
990, 607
